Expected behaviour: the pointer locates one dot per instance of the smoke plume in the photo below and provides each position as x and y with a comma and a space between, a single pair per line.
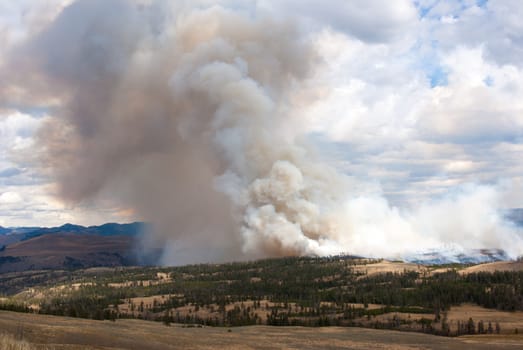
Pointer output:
182, 113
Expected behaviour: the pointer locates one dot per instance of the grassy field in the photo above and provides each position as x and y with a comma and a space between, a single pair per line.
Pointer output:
509, 321
9, 342
495, 266
62, 333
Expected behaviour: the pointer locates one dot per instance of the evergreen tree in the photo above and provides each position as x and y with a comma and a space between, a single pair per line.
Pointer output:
471, 327
481, 327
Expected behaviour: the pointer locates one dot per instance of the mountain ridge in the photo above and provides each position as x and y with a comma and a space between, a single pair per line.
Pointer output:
107, 229
68, 246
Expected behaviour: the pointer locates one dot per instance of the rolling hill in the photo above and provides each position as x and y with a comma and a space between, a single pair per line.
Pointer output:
68, 246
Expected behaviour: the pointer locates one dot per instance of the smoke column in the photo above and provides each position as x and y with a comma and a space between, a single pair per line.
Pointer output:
181, 112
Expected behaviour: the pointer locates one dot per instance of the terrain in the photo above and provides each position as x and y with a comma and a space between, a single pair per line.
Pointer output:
68, 246
75, 287
448, 300
495, 266
74, 246
64, 333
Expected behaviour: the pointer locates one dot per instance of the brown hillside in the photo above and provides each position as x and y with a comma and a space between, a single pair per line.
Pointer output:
495, 266
72, 334
58, 251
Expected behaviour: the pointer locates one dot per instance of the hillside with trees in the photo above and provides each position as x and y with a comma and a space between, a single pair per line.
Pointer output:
297, 291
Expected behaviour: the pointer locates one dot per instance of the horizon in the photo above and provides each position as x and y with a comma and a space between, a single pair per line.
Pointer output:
73, 224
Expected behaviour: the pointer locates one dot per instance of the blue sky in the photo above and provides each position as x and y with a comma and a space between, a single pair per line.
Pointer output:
414, 100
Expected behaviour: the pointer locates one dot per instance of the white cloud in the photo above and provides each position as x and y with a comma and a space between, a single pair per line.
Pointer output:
35, 205
393, 125
480, 104
461, 166
16, 131
496, 26
10, 198
26, 194
372, 21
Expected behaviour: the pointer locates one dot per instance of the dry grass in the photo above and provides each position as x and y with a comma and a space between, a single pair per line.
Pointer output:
495, 266
399, 267
8, 342
204, 312
212, 310
508, 321
73, 334
388, 266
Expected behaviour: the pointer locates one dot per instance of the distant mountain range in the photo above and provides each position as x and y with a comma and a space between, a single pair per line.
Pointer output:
68, 246
109, 229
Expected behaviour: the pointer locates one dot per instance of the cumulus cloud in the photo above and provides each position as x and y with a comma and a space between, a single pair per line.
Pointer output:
370, 21
403, 116
10, 198
494, 26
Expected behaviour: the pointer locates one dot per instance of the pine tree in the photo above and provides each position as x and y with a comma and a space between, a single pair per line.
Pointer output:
471, 327
445, 328
481, 327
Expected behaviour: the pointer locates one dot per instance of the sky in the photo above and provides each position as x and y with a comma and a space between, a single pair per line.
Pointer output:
413, 100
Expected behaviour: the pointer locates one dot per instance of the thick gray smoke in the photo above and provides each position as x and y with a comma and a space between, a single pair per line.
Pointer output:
181, 111
175, 116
